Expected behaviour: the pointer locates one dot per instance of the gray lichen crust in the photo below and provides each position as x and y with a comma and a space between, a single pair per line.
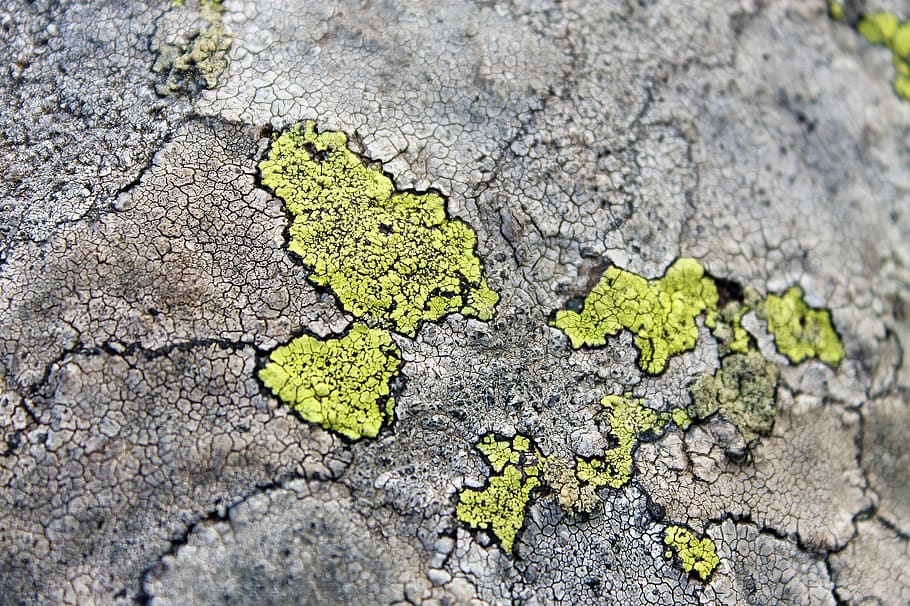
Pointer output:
145, 278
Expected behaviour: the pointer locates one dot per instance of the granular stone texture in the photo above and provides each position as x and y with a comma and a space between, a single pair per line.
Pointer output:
731, 175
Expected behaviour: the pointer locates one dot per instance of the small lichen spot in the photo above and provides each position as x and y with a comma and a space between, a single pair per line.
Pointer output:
681, 418
885, 29
340, 383
743, 391
629, 419
801, 332
726, 326
697, 556
500, 507
199, 62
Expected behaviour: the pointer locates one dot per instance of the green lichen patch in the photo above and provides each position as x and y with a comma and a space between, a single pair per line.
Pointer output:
500, 507
681, 418
660, 313
201, 61
801, 332
503, 451
878, 28
743, 391
629, 419
697, 556
340, 383
390, 257
885, 29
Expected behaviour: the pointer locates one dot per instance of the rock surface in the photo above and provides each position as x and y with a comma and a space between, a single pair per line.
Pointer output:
145, 278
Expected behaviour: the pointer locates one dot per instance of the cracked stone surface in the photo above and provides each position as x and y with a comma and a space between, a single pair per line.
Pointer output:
306, 543
81, 118
693, 478
873, 568
761, 568
144, 279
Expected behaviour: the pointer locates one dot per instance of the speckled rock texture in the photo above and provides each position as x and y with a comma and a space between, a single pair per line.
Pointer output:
145, 279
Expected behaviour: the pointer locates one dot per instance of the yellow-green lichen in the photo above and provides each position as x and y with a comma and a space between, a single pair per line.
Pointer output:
390, 257
886, 30
743, 391
697, 556
201, 61
501, 452
801, 332
878, 28
500, 506
681, 418
629, 419
835, 10
340, 383
660, 313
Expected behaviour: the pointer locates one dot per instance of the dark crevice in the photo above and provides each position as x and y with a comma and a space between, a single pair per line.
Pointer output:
728, 291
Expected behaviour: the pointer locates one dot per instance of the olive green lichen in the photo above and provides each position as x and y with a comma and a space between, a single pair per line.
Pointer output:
726, 326
500, 507
571, 494
696, 556
885, 29
340, 383
743, 391
660, 313
801, 332
202, 60
390, 257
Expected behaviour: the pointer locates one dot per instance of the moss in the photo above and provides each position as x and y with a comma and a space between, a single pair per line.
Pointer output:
200, 62
696, 556
743, 391
500, 507
340, 383
390, 257
801, 332
660, 313
885, 29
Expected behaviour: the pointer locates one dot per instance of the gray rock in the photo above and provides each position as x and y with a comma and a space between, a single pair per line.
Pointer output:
144, 278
